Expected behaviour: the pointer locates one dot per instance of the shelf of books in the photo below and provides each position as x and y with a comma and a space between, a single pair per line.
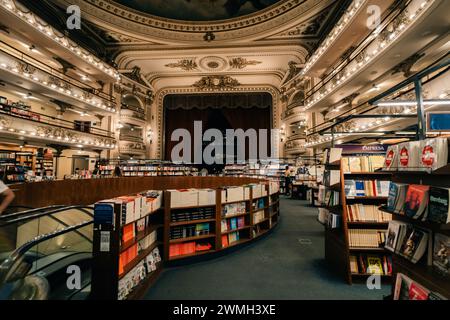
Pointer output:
355, 227
419, 235
127, 245
146, 168
134, 236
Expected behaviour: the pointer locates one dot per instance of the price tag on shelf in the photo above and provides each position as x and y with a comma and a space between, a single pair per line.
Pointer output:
105, 237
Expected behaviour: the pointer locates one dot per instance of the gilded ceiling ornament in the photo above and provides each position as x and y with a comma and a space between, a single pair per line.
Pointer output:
185, 64
241, 63
406, 65
216, 83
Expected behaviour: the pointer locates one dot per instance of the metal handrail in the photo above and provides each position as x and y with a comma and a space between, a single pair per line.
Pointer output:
61, 123
363, 45
11, 51
42, 214
32, 210
17, 254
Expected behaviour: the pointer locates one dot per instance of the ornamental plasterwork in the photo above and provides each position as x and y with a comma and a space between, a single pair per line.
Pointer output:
172, 30
241, 63
184, 64
54, 132
216, 83
5, 122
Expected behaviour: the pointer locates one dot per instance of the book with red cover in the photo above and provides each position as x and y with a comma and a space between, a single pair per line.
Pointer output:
174, 250
224, 241
128, 233
416, 200
416, 292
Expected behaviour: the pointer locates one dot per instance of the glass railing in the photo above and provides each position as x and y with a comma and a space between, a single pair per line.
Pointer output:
22, 227
40, 268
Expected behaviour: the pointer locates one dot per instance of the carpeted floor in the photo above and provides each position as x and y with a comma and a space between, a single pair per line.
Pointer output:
287, 264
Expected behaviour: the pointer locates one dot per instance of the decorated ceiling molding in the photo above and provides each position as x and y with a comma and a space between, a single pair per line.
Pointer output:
247, 23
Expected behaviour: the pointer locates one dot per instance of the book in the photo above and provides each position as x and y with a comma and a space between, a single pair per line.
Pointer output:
417, 292
374, 265
433, 153
408, 155
414, 244
416, 200
401, 288
438, 206
393, 234
396, 197
391, 158
353, 264
441, 253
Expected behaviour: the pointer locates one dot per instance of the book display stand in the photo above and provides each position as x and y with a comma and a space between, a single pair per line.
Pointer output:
425, 271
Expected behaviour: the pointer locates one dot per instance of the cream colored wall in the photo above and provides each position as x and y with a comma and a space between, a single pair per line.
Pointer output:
65, 161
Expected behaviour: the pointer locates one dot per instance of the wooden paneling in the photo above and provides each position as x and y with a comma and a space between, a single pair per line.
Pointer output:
86, 192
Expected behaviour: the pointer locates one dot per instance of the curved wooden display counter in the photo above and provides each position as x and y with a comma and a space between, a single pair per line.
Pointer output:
119, 260
89, 191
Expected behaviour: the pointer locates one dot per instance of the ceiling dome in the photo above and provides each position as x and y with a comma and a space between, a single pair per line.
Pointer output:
198, 10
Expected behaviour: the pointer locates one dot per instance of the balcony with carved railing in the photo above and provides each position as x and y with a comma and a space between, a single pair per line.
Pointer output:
19, 123
384, 48
132, 148
132, 114
295, 146
29, 25
16, 66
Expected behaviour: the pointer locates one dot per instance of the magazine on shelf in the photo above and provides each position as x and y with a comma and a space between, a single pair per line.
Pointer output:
438, 206
416, 201
391, 158
414, 244
396, 197
408, 155
433, 153
441, 253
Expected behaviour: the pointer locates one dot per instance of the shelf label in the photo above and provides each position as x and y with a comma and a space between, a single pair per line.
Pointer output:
105, 237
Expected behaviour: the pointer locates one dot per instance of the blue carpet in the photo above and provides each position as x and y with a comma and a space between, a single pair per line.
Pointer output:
287, 264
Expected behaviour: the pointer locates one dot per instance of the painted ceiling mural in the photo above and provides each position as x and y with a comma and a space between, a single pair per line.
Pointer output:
198, 10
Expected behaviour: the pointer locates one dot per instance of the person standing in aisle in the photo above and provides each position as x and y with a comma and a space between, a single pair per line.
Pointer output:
7, 196
117, 172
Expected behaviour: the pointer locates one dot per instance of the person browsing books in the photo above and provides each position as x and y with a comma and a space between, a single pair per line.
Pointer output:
7, 196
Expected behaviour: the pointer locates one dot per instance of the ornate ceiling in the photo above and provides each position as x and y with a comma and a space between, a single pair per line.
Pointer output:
258, 43
198, 10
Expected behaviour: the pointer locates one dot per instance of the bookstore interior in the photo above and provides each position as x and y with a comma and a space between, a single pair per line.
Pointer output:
120, 174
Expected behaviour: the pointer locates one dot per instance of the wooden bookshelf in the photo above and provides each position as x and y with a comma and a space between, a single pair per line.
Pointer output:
337, 242
184, 223
205, 236
106, 275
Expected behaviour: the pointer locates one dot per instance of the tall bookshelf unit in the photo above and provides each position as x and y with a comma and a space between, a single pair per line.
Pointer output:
338, 247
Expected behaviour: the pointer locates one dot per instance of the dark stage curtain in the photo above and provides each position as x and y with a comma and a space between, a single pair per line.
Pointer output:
255, 113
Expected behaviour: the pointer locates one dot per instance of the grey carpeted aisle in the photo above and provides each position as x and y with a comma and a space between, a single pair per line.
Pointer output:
287, 264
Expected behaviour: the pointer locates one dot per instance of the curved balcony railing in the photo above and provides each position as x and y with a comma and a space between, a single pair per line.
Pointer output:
25, 66
377, 42
17, 121
128, 111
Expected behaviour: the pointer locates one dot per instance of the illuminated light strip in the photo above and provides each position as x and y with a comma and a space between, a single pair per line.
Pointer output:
338, 29
110, 145
60, 90
396, 103
48, 31
382, 46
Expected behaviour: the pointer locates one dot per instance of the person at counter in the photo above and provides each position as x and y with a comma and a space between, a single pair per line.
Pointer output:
7, 197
